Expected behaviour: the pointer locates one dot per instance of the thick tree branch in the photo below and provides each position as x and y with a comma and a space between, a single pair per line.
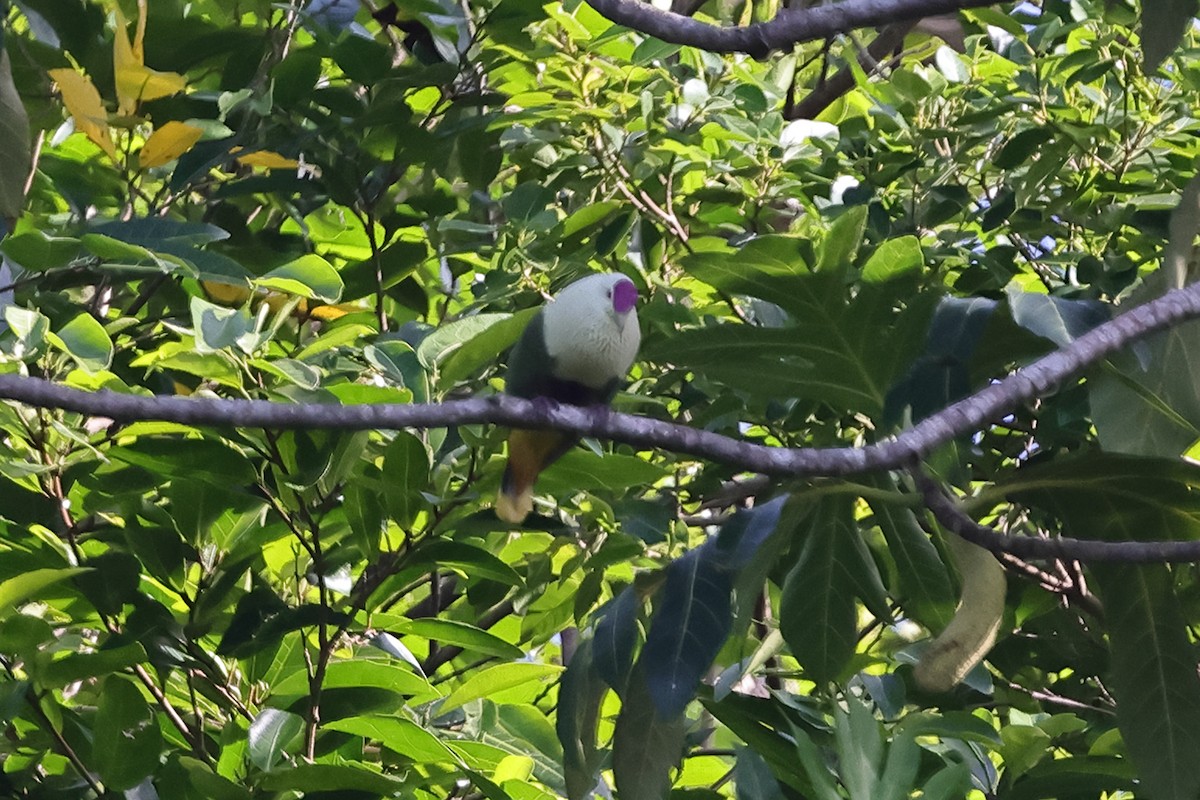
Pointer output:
971, 414
953, 518
788, 28
829, 91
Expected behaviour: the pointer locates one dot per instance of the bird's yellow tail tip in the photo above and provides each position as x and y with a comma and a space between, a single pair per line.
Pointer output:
514, 507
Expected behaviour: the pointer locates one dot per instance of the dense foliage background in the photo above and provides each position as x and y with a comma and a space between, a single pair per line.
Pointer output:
344, 204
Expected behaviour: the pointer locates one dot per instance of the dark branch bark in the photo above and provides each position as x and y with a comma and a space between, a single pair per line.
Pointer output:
827, 92
954, 519
1039, 379
790, 27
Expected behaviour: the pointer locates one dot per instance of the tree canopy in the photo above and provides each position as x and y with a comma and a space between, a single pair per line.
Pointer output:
899, 500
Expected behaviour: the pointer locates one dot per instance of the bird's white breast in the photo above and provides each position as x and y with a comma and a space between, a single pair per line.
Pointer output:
588, 342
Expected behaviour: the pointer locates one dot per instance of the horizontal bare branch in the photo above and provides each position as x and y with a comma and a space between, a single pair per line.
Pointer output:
789, 27
954, 519
1039, 379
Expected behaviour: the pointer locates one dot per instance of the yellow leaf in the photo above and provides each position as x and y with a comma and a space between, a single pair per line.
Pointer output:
83, 103
330, 313
168, 143
226, 294
135, 81
267, 160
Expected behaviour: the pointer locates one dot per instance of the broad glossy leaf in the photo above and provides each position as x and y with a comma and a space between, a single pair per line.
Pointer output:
399, 735
740, 538
645, 747
332, 778
495, 679
14, 146
484, 349
188, 458
18, 589
817, 613
271, 732
85, 340
405, 477
1115, 497
218, 327
580, 693
893, 258
692, 619
616, 636
1090, 775
1055, 318
472, 561
921, 581
453, 632
81, 666
1163, 26
1145, 402
753, 779
1154, 677
447, 339
127, 737
309, 276
845, 236
581, 469
838, 352
359, 673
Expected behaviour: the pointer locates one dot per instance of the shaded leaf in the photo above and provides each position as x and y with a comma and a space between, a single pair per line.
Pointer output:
817, 608
127, 737
692, 619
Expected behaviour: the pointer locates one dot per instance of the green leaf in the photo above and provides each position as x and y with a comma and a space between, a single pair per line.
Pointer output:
15, 155
472, 561
85, 340
645, 747
616, 635
218, 327
39, 251
1153, 677
692, 619
16, 590
359, 673
753, 779
589, 216
405, 477
1055, 318
399, 735
460, 634
496, 679
80, 666
580, 693
127, 739
308, 276
270, 733
483, 349
331, 778
1163, 25
188, 458
582, 469
447, 339
921, 581
893, 258
817, 612
1145, 402
769, 267
840, 246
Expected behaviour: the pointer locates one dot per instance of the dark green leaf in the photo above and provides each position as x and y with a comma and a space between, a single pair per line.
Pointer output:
817, 612
270, 733
1153, 677
645, 747
1163, 26
127, 737
692, 619
405, 477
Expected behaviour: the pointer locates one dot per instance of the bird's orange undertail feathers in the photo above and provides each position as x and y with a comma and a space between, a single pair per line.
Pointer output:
529, 452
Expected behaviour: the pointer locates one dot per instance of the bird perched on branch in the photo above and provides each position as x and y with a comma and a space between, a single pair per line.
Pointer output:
577, 349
